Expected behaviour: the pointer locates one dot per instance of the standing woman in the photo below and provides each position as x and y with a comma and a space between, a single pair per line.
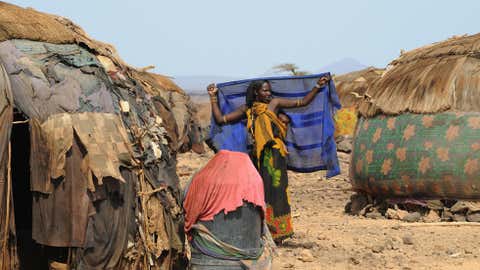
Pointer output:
267, 133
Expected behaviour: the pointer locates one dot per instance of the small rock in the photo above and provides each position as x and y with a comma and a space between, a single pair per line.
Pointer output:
306, 256
451, 251
396, 227
412, 217
300, 235
374, 215
288, 265
435, 204
354, 260
447, 215
378, 248
396, 214
432, 217
357, 203
308, 245
322, 237
463, 206
407, 240
459, 217
345, 145
474, 217
390, 244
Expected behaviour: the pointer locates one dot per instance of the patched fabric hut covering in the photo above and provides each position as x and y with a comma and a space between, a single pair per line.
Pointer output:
418, 136
103, 143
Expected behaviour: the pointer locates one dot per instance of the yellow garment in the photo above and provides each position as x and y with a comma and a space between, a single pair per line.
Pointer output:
263, 133
345, 121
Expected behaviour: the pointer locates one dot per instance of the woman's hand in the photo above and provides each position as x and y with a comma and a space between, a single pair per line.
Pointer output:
323, 80
212, 90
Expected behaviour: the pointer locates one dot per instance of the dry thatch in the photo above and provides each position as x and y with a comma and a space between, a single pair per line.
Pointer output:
438, 77
26, 23
356, 82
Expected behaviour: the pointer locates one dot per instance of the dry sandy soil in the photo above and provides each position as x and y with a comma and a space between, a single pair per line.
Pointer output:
327, 238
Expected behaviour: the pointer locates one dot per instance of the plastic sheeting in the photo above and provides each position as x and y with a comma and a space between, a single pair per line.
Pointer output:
418, 156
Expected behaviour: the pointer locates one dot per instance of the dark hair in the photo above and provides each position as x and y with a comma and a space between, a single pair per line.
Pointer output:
252, 91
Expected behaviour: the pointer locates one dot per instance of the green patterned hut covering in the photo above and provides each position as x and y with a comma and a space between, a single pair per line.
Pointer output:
414, 155
418, 135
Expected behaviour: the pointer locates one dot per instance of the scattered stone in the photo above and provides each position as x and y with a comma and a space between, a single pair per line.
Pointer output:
378, 248
407, 240
447, 215
435, 204
474, 217
357, 203
306, 256
322, 237
465, 206
412, 217
344, 145
456, 255
288, 265
309, 245
374, 215
396, 214
459, 217
451, 251
390, 244
354, 260
300, 235
432, 217
396, 227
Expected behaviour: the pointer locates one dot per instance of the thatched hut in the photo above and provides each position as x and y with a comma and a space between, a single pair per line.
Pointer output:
351, 88
353, 85
87, 151
418, 134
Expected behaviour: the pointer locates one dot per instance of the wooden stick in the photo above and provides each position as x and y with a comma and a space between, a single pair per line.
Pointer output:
7, 218
20, 122
440, 224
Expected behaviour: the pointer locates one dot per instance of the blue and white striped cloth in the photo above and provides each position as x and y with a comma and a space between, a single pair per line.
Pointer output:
310, 136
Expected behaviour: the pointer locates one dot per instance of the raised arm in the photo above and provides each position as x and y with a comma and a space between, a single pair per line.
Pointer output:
220, 118
278, 103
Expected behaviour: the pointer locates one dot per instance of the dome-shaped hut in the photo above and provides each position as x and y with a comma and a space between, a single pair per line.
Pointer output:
87, 151
351, 88
418, 132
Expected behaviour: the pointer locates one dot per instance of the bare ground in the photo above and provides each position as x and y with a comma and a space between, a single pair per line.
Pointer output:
327, 238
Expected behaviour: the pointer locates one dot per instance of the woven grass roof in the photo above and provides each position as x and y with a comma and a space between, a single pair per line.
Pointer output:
356, 82
439, 77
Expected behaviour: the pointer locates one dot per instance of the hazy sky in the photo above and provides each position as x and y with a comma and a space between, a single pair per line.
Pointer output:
247, 38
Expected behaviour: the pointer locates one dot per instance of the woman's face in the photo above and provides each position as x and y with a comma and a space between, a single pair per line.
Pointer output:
265, 93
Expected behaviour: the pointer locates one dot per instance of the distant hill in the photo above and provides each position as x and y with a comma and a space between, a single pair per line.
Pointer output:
343, 66
198, 84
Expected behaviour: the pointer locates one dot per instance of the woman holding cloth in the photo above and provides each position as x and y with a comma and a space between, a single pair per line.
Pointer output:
267, 130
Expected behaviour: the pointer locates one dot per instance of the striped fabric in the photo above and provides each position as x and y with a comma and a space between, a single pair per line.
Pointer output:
310, 136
